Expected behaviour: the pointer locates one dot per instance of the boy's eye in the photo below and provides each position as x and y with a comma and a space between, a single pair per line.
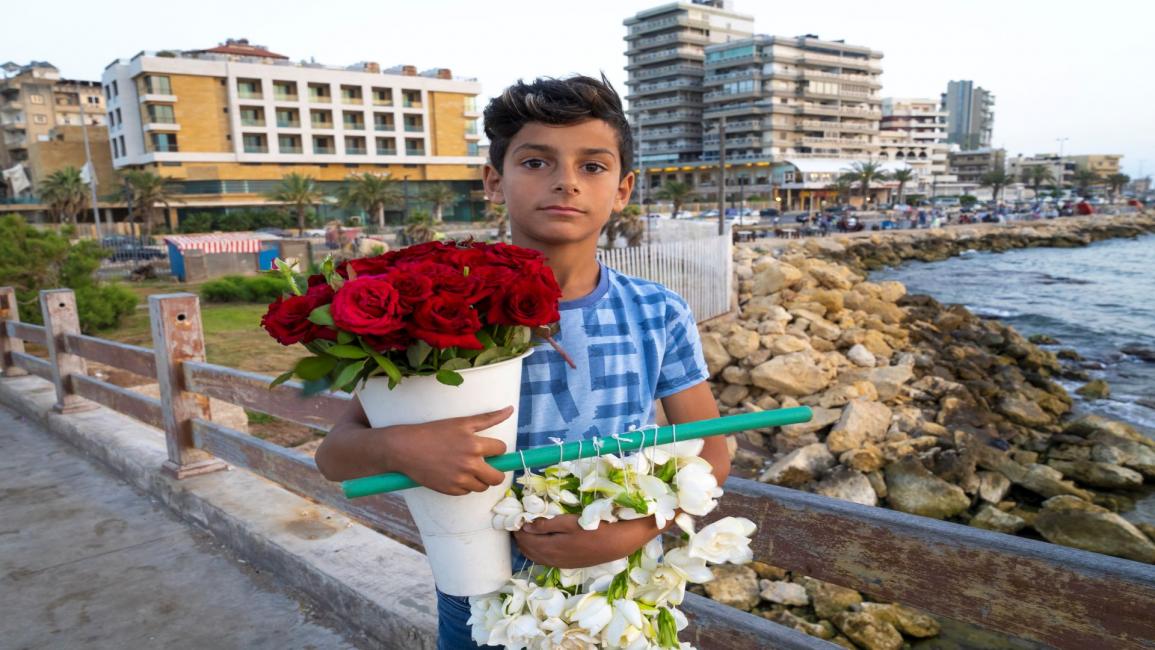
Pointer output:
533, 163
594, 167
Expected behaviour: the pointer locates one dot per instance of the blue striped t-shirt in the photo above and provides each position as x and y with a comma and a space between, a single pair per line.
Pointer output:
633, 341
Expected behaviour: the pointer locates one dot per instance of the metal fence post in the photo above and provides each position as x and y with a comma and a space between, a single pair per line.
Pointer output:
177, 336
9, 311
60, 318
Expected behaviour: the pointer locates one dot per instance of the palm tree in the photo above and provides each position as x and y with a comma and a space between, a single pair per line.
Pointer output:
676, 192
627, 223
299, 191
148, 192
66, 194
440, 196
843, 186
1115, 183
996, 179
372, 193
419, 230
1084, 179
903, 176
865, 173
498, 217
1037, 176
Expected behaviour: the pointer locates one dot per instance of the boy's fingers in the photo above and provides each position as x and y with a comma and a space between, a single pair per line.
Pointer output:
491, 446
489, 475
558, 524
485, 420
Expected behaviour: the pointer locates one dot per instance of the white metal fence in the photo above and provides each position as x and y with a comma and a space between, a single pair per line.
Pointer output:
700, 269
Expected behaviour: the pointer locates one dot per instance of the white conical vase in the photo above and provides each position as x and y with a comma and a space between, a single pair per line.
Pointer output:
468, 557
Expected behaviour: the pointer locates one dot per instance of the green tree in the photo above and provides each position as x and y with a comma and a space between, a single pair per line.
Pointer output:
1115, 184
66, 194
440, 196
996, 179
903, 176
676, 192
1084, 179
148, 193
419, 229
843, 187
372, 193
865, 173
32, 259
299, 191
1037, 176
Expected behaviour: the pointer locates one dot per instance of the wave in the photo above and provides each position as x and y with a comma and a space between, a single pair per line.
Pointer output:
992, 312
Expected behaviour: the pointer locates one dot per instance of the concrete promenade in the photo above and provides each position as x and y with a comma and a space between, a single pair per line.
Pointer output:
89, 562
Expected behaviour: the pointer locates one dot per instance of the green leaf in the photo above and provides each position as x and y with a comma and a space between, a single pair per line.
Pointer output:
348, 351
456, 363
619, 587
282, 378
314, 386
321, 316
521, 336
345, 338
485, 339
314, 368
633, 500
667, 470
667, 629
487, 356
418, 353
347, 374
386, 364
449, 377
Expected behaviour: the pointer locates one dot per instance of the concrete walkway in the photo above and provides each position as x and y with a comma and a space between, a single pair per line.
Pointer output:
89, 562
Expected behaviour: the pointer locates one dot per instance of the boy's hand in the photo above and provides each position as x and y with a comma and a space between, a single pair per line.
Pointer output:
447, 455
560, 542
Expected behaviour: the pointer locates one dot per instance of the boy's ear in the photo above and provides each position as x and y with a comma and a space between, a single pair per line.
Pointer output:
491, 182
625, 191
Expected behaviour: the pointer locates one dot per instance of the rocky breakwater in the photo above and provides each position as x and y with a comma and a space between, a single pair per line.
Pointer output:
918, 407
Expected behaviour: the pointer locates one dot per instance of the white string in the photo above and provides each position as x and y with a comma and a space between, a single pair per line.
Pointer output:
642, 449
618, 437
674, 437
524, 467
560, 448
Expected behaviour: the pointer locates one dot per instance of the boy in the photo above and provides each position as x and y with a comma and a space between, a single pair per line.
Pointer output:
561, 162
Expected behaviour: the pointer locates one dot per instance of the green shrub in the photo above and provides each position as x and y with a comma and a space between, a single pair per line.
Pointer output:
102, 307
199, 222
239, 288
234, 221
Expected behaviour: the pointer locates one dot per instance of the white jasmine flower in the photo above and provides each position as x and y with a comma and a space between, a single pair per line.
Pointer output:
693, 569
625, 626
662, 586
508, 514
485, 612
591, 611
697, 488
660, 497
595, 513
521, 631
538, 508
546, 602
725, 540
596, 574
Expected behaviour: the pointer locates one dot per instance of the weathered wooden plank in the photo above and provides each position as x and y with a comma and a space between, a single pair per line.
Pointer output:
297, 472
1056, 595
58, 307
10, 312
27, 332
33, 364
133, 358
122, 400
251, 390
714, 626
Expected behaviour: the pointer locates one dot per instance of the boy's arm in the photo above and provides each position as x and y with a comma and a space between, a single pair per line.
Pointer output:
561, 542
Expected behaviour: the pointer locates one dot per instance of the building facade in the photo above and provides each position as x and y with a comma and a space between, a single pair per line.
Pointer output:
970, 166
227, 123
970, 115
913, 131
665, 50
34, 102
1062, 169
1103, 165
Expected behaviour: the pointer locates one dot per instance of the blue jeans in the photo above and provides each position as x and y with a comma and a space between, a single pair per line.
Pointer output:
453, 631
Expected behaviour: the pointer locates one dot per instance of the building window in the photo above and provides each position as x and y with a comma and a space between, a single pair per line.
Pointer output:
33, 98
353, 121
472, 149
156, 84
471, 127
123, 149
351, 95
252, 116
354, 145
40, 119
383, 122
93, 99
320, 93
383, 96
285, 91
249, 88
119, 118
163, 142
115, 149
161, 114
321, 119
255, 143
411, 98
414, 124
107, 92
414, 147
323, 144
288, 118
115, 90
386, 147
289, 143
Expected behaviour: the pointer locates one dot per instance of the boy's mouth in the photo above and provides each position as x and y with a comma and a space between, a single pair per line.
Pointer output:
563, 209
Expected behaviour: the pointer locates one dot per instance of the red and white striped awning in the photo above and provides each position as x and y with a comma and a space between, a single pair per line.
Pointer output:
225, 242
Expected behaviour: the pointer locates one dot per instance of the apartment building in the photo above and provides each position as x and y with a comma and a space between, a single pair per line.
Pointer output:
913, 132
1102, 164
227, 123
970, 115
970, 166
665, 50
1062, 168
792, 97
34, 102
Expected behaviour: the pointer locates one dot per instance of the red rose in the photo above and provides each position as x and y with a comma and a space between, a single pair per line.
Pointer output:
398, 340
375, 265
450, 280
491, 279
287, 319
413, 287
420, 252
512, 256
446, 321
530, 301
368, 305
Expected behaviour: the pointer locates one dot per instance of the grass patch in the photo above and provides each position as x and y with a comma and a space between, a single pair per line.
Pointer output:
256, 417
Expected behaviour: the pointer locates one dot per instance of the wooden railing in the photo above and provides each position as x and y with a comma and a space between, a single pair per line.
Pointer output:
1037, 591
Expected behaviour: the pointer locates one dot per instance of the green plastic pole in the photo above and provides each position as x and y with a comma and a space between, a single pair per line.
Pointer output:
630, 441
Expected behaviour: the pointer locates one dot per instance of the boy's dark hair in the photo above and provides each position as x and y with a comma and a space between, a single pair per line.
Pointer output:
559, 102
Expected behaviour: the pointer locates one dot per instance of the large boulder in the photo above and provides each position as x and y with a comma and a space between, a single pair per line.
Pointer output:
861, 422
907, 620
848, 485
822, 418
867, 630
888, 380
715, 352
991, 518
913, 488
829, 599
1071, 521
742, 342
993, 486
785, 593
1022, 411
734, 585
1100, 475
773, 276
860, 356
790, 374
799, 466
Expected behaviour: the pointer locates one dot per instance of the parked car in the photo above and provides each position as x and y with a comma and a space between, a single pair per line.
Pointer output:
744, 219
708, 213
769, 212
127, 249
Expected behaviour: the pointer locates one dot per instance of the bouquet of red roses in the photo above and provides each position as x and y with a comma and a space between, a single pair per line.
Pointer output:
430, 309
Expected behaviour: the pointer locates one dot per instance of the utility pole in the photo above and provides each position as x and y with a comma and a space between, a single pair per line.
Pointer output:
721, 174
91, 171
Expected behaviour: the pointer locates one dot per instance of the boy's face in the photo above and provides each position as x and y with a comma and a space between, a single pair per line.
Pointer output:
560, 183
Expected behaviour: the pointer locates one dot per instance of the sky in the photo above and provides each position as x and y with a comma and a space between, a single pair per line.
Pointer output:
1058, 69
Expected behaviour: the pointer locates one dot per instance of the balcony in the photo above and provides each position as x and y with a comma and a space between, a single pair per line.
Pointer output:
414, 152
323, 150
318, 98
384, 126
296, 149
288, 124
668, 71
733, 127
355, 151
285, 97
160, 126
674, 116
387, 151
249, 121
256, 148
250, 94
649, 89
353, 126
718, 79
414, 128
